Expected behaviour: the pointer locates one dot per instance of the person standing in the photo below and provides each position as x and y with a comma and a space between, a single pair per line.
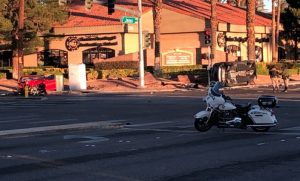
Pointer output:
274, 75
285, 77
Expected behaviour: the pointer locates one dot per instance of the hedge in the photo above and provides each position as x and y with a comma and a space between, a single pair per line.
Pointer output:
2, 75
109, 65
263, 68
117, 73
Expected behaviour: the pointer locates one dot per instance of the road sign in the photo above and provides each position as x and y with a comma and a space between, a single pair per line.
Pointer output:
129, 20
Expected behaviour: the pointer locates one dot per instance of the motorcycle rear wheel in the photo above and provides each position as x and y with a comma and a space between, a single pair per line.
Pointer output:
261, 129
201, 124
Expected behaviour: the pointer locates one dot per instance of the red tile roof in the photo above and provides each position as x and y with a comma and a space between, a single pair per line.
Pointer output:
225, 13
97, 16
79, 17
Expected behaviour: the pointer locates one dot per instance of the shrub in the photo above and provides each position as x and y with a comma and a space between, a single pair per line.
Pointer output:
92, 74
117, 73
173, 69
116, 65
262, 68
2, 75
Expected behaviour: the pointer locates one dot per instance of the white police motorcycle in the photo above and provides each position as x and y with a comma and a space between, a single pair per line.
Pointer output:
223, 113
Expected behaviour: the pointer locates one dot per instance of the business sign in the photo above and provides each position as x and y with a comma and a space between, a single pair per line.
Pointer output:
177, 57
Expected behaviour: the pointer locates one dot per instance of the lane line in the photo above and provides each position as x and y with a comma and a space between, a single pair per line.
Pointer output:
53, 121
86, 125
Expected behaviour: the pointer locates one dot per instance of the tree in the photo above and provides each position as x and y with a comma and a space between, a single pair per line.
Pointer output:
274, 59
214, 27
250, 29
40, 16
157, 21
6, 25
291, 23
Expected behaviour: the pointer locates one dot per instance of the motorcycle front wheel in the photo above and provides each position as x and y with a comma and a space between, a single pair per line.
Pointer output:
261, 129
201, 124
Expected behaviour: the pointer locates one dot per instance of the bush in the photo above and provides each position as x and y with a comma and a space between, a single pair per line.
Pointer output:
2, 75
174, 71
116, 65
92, 74
262, 69
117, 73
178, 69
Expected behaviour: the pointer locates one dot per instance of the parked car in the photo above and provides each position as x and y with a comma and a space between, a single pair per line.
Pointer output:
233, 73
37, 84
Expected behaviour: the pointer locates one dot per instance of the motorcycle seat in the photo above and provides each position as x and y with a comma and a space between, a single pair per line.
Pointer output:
243, 108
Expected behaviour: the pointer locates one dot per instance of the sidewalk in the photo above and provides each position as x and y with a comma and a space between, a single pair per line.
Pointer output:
131, 85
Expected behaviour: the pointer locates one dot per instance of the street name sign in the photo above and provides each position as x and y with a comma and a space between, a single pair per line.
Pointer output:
129, 20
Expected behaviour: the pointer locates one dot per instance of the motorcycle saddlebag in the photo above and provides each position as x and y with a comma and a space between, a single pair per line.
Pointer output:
267, 101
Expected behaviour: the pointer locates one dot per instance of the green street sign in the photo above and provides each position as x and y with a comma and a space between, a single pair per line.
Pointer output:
129, 20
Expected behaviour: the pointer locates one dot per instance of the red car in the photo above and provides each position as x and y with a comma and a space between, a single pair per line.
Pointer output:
36, 84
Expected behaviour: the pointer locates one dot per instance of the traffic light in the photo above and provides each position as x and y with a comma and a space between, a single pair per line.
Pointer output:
207, 37
62, 2
111, 6
147, 40
88, 4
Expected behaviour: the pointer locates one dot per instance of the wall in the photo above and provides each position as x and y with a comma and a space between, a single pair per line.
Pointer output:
30, 60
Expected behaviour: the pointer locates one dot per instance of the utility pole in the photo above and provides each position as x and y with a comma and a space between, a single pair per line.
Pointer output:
111, 9
141, 53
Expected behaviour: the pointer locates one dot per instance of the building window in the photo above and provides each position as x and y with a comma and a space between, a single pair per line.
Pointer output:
258, 54
234, 50
53, 57
97, 54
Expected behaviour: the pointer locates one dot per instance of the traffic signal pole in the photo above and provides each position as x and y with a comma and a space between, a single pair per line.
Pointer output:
111, 8
141, 53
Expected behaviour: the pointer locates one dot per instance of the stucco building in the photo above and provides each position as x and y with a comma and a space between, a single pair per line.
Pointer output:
91, 36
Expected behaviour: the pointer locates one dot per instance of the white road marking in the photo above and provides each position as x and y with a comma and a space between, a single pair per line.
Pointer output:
260, 144
86, 125
147, 124
53, 121
91, 139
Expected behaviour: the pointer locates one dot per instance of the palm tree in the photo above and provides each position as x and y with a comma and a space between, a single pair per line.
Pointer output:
214, 27
250, 29
18, 41
277, 27
157, 21
273, 32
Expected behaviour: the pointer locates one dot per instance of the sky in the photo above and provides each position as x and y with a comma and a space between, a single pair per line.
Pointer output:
268, 4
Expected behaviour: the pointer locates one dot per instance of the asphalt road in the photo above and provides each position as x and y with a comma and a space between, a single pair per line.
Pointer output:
154, 139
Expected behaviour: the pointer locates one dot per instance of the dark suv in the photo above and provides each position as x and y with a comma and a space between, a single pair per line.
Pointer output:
233, 73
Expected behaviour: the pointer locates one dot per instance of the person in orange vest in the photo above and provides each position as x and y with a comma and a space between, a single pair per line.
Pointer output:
285, 77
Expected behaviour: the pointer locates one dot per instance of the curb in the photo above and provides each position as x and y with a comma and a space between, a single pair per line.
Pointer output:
77, 126
297, 82
83, 92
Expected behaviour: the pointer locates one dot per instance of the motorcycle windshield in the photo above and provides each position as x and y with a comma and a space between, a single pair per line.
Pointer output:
216, 89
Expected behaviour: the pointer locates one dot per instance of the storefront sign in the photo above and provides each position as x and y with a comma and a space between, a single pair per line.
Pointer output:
73, 43
178, 57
